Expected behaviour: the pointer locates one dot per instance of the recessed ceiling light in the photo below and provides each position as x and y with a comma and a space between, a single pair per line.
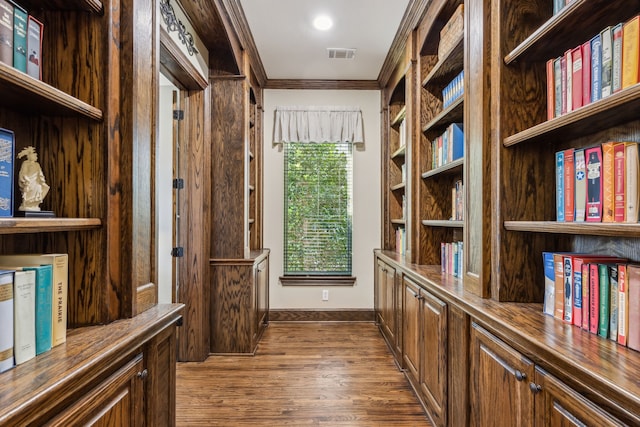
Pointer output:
322, 22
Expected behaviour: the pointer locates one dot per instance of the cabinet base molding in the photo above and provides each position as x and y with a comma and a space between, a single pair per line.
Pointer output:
335, 315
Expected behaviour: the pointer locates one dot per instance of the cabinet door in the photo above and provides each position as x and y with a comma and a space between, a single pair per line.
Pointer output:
500, 376
411, 327
557, 405
389, 303
381, 281
434, 360
263, 293
116, 402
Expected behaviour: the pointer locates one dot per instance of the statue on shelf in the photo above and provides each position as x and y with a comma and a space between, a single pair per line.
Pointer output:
31, 181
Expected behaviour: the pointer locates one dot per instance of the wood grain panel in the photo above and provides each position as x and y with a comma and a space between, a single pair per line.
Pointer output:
338, 315
458, 378
160, 361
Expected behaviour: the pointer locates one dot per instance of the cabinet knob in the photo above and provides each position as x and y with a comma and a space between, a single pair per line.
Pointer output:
535, 388
143, 374
520, 376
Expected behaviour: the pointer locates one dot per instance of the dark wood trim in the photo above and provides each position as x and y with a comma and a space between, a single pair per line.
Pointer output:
181, 71
322, 84
335, 315
317, 280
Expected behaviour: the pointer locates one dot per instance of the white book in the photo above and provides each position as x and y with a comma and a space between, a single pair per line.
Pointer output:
6, 320
24, 315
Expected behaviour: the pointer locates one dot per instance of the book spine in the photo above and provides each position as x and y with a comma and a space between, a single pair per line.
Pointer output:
606, 62
557, 87
550, 91
632, 198
619, 205
594, 298
563, 84
596, 57
577, 292
607, 182
576, 79
580, 184
568, 289
549, 283
613, 302
586, 283
569, 76
569, 185
558, 263
633, 306
44, 298
6, 32
34, 48
593, 157
603, 302
586, 73
7, 150
6, 320
20, 39
623, 301
24, 316
630, 47
616, 60
560, 186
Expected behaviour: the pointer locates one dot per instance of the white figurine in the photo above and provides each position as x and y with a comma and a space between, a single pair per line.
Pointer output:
31, 181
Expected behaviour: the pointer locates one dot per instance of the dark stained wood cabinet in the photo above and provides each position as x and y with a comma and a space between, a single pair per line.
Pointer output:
388, 303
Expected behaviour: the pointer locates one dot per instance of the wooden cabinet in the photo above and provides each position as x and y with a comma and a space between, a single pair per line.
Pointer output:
426, 348
389, 305
239, 303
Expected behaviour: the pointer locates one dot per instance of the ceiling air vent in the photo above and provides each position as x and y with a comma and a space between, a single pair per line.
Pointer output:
341, 53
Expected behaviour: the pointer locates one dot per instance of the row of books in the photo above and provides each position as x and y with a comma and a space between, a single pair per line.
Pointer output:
595, 69
33, 306
20, 39
401, 240
598, 184
451, 255
448, 147
451, 32
402, 133
453, 90
457, 201
598, 293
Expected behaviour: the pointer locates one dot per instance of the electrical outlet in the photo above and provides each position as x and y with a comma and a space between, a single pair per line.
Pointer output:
325, 295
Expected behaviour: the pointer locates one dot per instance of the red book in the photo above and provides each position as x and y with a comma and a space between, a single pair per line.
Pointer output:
550, 90
569, 185
619, 205
593, 158
594, 298
576, 80
585, 297
623, 304
633, 287
563, 84
586, 73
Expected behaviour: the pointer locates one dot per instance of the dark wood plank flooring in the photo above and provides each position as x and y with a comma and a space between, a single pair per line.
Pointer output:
304, 374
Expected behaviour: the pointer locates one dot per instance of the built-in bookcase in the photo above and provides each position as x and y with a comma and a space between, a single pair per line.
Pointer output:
525, 141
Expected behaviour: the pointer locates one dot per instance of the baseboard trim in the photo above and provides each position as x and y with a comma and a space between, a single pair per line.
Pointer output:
335, 315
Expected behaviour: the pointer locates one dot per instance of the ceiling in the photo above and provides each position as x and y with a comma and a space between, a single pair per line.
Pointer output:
291, 48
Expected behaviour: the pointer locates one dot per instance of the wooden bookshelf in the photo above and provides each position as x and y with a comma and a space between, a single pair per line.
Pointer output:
41, 225
453, 113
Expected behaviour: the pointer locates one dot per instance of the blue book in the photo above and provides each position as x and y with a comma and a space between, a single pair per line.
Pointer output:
549, 283
44, 304
7, 148
456, 140
560, 186
596, 67
20, 18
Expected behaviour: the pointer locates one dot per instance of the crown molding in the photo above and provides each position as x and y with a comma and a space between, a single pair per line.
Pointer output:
322, 84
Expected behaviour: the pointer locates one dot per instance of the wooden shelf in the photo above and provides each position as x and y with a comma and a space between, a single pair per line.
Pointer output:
37, 225
613, 110
567, 28
398, 221
452, 114
399, 117
95, 6
580, 228
448, 67
448, 169
22, 92
446, 223
399, 186
400, 152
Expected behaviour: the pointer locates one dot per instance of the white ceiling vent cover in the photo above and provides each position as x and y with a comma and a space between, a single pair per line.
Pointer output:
341, 53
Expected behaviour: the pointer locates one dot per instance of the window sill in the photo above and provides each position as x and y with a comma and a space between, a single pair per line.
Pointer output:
317, 280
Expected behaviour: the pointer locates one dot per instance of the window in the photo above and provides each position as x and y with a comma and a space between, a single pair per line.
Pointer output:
318, 209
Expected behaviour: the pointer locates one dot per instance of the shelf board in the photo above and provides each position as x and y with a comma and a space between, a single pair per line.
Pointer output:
613, 110
399, 186
399, 117
448, 169
580, 228
567, 29
21, 91
398, 221
86, 5
400, 152
449, 115
442, 223
448, 67
36, 225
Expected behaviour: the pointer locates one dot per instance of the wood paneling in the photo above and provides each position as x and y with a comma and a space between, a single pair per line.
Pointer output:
337, 315
434, 359
327, 374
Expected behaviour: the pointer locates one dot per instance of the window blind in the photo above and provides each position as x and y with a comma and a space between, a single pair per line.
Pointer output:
318, 208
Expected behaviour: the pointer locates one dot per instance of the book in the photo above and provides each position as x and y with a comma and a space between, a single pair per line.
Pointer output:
19, 38
619, 204
580, 184
630, 48
557, 87
586, 301
569, 185
576, 79
613, 302
549, 283
593, 156
633, 306
6, 320
631, 187
557, 6
586, 73
567, 271
607, 169
623, 304
560, 186
564, 107
594, 297
6, 32
569, 76
616, 60
596, 57
604, 295
60, 280
550, 91
34, 47
559, 286
606, 62
7, 150
44, 299
24, 315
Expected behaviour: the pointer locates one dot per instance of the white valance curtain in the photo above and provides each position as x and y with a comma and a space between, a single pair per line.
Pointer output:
318, 124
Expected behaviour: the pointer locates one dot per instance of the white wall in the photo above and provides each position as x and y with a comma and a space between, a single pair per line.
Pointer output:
366, 203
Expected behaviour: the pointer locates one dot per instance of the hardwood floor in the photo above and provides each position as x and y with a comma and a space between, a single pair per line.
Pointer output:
304, 374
